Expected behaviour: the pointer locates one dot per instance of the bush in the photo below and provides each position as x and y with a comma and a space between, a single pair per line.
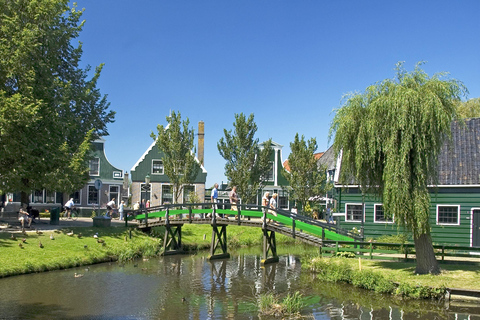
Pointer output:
345, 254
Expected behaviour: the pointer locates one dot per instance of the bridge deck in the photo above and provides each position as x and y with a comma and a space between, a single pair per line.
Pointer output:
272, 226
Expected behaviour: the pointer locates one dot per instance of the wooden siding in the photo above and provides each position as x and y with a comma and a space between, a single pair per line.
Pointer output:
466, 198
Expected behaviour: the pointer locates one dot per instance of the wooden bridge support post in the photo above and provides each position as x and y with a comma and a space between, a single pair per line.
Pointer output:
219, 239
172, 243
269, 246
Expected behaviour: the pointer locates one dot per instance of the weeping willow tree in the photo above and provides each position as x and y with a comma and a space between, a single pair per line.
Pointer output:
390, 137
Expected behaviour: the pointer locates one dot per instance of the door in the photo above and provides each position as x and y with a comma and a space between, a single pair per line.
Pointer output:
476, 228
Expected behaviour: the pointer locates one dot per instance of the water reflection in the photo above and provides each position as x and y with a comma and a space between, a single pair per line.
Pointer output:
192, 287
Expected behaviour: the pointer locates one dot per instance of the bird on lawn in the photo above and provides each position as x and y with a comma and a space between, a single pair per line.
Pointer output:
78, 275
52, 237
24, 233
79, 235
40, 244
100, 241
24, 240
70, 233
13, 237
95, 235
85, 246
20, 245
38, 232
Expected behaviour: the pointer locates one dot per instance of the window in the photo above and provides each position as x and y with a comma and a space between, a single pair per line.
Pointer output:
50, 196
167, 195
117, 174
114, 193
92, 195
354, 212
94, 165
270, 174
187, 190
283, 200
380, 215
145, 191
37, 196
449, 215
157, 167
75, 196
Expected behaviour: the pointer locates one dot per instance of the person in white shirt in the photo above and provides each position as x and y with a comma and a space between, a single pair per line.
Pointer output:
110, 207
69, 206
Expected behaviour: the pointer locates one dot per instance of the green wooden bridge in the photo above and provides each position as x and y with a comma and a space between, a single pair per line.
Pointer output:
269, 221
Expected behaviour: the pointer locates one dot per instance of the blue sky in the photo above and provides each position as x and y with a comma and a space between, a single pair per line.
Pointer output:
288, 62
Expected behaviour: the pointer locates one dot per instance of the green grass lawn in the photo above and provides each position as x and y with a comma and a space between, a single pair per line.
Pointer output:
25, 254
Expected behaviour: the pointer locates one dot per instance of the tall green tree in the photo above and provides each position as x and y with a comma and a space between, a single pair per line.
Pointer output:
176, 141
247, 163
469, 108
390, 137
49, 111
306, 177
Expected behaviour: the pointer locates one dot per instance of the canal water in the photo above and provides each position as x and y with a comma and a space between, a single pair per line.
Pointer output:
192, 287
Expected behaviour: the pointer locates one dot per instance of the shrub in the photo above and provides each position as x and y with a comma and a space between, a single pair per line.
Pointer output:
345, 254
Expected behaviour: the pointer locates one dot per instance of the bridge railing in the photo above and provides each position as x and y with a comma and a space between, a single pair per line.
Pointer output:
214, 210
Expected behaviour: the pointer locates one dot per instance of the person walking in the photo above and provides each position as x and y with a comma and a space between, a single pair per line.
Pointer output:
110, 207
121, 207
214, 199
233, 199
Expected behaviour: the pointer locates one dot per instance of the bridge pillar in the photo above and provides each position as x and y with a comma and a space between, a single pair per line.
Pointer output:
269, 246
219, 241
172, 243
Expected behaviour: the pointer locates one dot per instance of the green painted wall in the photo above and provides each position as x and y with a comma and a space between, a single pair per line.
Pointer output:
107, 170
467, 198
145, 167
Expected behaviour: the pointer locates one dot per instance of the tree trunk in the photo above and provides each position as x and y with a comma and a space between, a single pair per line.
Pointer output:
426, 261
24, 198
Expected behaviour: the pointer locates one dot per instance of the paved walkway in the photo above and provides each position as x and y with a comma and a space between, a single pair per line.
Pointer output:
44, 224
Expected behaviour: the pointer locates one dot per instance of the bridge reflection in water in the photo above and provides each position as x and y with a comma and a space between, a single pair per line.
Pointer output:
270, 221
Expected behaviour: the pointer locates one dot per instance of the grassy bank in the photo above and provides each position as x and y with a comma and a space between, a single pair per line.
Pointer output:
383, 277
33, 252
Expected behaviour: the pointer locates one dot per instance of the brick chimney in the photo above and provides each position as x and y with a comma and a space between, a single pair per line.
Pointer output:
201, 141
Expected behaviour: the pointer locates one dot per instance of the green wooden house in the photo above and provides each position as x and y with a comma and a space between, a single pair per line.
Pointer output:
150, 183
455, 201
88, 197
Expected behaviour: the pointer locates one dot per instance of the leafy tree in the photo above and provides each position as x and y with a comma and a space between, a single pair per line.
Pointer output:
49, 111
306, 177
176, 141
469, 108
390, 137
247, 164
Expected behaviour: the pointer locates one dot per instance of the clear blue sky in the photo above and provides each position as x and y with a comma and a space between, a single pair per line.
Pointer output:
288, 62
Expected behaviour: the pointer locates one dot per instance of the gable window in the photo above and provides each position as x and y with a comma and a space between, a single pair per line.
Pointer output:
94, 165
270, 174
448, 215
92, 195
354, 212
379, 215
157, 167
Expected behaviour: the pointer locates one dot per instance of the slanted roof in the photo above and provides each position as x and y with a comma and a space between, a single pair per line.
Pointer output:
316, 155
459, 161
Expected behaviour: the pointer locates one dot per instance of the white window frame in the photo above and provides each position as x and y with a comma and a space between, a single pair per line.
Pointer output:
448, 224
354, 204
163, 168
79, 197
171, 192
375, 215
33, 196
90, 168
45, 193
117, 174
